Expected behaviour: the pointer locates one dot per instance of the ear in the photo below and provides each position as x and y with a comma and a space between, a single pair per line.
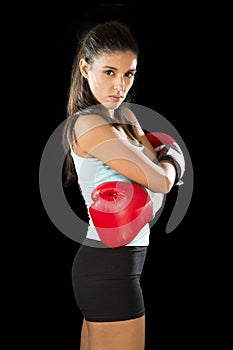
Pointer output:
83, 66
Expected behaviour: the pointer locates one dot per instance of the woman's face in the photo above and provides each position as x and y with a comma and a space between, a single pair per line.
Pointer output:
110, 76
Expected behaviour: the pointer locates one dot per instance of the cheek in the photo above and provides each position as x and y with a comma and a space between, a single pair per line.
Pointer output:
92, 82
95, 83
129, 85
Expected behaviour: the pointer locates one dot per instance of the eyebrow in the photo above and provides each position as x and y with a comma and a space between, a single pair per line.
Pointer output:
129, 70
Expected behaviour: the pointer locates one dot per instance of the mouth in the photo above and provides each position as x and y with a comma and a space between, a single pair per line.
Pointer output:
115, 98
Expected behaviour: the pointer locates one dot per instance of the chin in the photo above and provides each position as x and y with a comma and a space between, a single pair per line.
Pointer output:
112, 105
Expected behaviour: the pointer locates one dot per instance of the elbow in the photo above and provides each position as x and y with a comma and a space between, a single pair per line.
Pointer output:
163, 186
168, 184
168, 177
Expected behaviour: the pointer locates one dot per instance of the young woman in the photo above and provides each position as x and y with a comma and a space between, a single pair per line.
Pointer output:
104, 142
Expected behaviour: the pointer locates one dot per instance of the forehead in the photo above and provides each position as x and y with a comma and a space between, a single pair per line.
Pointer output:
117, 58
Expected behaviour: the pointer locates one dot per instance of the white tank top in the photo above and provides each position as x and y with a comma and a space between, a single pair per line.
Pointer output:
91, 173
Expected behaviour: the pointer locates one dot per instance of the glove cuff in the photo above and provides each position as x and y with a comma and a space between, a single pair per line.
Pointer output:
173, 155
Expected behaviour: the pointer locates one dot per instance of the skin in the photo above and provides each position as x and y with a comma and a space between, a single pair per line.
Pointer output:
110, 77
123, 335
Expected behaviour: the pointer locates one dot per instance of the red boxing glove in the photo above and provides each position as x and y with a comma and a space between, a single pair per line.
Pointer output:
119, 211
168, 149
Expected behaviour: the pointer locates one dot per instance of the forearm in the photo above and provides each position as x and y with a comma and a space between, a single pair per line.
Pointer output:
137, 166
103, 142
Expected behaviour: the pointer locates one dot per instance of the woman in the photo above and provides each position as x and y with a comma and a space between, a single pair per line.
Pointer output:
104, 142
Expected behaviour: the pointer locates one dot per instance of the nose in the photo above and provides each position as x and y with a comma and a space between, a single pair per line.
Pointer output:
119, 84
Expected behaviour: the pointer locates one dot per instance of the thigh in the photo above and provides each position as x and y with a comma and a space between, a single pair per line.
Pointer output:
124, 335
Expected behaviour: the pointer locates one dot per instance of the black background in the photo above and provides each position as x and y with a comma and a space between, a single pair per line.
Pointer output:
172, 43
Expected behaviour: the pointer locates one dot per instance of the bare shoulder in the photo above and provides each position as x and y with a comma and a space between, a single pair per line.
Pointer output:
86, 122
92, 130
93, 126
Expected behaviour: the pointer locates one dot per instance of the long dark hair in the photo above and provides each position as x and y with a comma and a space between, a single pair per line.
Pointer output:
105, 37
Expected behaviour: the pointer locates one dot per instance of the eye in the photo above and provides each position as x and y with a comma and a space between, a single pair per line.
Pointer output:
129, 74
109, 72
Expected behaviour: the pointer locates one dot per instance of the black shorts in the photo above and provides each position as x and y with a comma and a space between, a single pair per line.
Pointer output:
106, 282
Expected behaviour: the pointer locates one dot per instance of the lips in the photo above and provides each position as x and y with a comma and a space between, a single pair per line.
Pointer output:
115, 98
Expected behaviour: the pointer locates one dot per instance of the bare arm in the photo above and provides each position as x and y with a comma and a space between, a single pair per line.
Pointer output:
100, 140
